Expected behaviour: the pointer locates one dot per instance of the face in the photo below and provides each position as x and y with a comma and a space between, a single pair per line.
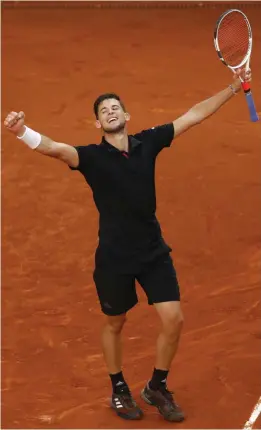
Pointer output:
111, 116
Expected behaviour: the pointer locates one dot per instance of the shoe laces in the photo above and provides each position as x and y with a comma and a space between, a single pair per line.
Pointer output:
127, 398
168, 395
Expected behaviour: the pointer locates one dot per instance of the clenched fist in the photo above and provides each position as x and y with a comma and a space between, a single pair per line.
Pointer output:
14, 122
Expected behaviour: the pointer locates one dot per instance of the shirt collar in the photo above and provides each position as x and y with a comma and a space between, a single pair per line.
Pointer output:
133, 143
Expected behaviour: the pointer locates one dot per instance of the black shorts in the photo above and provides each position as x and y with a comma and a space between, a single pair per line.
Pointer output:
117, 292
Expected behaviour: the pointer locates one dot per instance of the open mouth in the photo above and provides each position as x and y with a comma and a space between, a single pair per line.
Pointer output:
112, 120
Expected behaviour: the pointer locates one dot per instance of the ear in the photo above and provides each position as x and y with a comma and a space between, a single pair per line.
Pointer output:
97, 124
127, 116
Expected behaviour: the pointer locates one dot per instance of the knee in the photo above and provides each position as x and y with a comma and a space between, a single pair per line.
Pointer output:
173, 323
115, 324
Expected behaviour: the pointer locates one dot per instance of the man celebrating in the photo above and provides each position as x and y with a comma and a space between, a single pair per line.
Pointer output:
120, 171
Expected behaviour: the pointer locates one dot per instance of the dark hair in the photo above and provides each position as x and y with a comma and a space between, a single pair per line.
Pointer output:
103, 97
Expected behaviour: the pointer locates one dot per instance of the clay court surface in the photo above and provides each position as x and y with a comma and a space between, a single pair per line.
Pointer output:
55, 61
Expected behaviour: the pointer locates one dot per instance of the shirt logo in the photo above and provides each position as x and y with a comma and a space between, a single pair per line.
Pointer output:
107, 305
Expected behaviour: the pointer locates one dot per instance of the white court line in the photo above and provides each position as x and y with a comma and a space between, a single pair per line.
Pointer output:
254, 415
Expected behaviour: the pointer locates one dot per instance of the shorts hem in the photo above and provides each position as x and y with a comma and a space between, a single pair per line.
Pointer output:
163, 301
111, 313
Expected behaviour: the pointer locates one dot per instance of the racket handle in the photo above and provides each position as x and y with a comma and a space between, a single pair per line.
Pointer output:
250, 102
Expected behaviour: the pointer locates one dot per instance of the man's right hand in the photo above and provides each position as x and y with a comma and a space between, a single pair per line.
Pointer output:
14, 122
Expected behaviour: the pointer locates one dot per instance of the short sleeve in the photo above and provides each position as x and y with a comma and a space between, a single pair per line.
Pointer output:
84, 153
159, 137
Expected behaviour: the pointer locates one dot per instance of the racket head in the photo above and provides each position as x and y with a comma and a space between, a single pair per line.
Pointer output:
233, 39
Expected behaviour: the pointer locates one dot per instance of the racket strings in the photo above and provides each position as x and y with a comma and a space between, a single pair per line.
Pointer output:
233, 39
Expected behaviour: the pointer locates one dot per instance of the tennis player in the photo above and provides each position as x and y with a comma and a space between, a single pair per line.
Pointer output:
120, 172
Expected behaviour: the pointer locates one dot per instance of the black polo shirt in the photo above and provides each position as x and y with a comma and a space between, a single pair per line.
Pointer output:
123, 186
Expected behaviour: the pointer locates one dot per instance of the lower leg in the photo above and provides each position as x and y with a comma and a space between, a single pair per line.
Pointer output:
166, 351
156, 393
112, 350
121, 400
167, 343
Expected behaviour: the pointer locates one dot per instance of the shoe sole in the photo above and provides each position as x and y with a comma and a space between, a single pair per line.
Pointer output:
143, 396
126, 416
149, 402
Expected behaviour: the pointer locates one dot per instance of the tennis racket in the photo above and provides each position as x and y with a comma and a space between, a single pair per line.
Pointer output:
233, 43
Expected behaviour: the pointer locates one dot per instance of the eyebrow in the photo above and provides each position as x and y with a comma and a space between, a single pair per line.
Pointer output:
102, 109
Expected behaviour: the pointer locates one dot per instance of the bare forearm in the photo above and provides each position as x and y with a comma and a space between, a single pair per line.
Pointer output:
47, 145
14, 122
208, 107
205, 109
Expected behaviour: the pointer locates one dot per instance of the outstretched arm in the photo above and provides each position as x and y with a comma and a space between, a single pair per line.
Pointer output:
208, 107
14, 122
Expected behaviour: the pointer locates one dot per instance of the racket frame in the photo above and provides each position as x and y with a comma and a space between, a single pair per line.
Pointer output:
246, 59
245, 62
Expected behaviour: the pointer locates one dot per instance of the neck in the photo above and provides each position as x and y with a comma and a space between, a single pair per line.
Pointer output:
119, 140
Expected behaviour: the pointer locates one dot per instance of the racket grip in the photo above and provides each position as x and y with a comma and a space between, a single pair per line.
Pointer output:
250, 102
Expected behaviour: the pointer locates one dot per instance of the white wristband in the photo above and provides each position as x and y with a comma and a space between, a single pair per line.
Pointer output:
31, 138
